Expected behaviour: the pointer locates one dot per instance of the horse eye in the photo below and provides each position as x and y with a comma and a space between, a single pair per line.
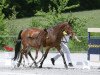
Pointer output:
47, 37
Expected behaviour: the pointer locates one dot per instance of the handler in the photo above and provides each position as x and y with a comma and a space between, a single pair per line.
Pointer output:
64, 47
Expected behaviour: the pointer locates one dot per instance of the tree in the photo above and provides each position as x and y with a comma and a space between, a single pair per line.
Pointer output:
62, 5
56, 10
2, 24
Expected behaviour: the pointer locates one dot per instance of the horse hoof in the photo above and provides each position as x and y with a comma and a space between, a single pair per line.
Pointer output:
18, 65
30, 66
66, 67
36, 65
40, 66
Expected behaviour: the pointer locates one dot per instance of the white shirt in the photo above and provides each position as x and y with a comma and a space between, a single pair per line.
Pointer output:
65, 38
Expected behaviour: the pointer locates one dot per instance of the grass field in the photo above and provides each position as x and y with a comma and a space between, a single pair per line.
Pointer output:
92, 16
93, 19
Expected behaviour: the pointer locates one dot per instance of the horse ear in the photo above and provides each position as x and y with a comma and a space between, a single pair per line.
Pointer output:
45, 30
69, 22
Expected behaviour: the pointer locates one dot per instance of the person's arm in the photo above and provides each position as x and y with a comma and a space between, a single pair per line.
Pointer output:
77, 38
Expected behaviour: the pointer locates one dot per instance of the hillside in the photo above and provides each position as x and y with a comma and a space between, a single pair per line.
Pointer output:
92, 17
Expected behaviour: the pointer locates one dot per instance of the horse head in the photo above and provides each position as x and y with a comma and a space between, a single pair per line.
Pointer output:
68, 29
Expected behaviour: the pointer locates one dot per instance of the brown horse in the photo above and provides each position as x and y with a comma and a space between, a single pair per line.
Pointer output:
53, 39
31, 37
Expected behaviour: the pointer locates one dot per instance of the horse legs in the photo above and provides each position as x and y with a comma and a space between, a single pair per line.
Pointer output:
36, 54
20, 60
37, 50
26, 56
62, 54
29, 53
44, 57
23, 52
41, 58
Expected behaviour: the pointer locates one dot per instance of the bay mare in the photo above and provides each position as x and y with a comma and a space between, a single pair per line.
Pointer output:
47, 38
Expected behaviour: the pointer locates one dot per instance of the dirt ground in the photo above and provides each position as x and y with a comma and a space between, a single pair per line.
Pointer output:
81, 66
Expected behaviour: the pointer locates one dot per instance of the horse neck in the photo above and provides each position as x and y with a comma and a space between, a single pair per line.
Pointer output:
58, 31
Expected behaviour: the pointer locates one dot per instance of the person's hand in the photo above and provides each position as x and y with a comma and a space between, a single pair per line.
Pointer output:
79, 40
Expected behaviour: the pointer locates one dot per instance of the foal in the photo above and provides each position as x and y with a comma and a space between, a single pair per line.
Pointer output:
31, 37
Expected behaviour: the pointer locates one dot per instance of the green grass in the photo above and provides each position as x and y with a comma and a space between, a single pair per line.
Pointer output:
92, 17
24, 22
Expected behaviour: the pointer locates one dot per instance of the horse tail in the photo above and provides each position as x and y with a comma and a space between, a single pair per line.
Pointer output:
17, 46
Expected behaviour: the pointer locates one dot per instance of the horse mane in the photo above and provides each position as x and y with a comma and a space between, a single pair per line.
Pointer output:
60, 25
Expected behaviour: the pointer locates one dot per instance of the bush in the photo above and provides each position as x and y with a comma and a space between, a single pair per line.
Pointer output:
79, 26
3, 30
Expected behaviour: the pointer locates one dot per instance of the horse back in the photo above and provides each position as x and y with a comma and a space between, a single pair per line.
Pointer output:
30, 33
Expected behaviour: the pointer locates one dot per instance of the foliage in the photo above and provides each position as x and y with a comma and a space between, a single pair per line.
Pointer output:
20, 8
79, 26
46, 20
62, 5
2, 24
54, 16
27, 8
3, 30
